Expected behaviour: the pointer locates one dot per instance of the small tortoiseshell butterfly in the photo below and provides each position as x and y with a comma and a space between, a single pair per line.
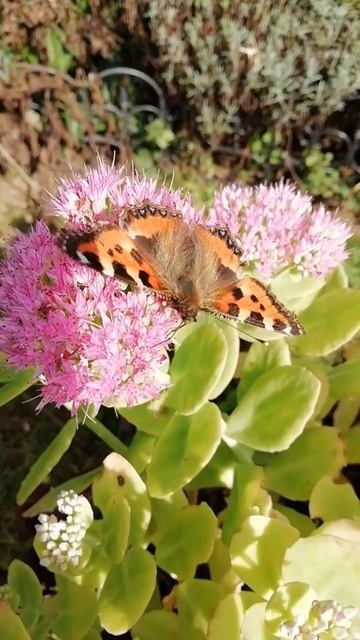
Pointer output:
194, 268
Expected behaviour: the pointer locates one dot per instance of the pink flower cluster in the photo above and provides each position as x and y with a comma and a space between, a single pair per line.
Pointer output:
277, 226
90, 343
100, 195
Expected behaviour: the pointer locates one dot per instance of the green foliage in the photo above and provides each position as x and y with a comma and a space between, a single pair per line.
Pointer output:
286, 60
268, 444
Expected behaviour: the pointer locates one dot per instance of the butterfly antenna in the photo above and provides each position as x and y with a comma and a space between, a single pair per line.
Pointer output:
229, 324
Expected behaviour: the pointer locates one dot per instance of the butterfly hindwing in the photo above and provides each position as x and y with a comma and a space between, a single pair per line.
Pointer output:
252, 302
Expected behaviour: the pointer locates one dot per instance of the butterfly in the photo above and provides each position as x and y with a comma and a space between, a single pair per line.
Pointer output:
192, 267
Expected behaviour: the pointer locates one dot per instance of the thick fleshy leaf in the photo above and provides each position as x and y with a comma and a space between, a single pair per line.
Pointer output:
275, 410
27, 590
197, 602
330, 321
149, 417
301, 522
345, 413
344, 380
247, 494
127, 591
289, 602
197, 368
20, 381
227, 619
11, 627
141, 450
254, 627
120, 478
231, 336
330, 564
47, 460
220, 567
159, 625
183, 449
333, 501
257, 552
219, 472
186, 540
48, 501
260, 359
293, 473
116, 527
352, 443
76, 610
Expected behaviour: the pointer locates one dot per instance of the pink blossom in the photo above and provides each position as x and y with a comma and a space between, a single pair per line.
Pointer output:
89, 342
277, 226
101, 194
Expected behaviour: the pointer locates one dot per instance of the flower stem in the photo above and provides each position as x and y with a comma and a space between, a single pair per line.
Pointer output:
106, 436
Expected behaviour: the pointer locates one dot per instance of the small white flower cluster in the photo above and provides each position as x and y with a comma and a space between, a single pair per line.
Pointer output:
63, 538
327, 620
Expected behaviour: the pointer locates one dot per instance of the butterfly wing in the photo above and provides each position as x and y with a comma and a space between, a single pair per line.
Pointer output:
161, 238
251, 302
229, 292
111, 251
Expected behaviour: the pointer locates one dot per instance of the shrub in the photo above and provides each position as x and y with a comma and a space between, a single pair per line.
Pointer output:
282, 61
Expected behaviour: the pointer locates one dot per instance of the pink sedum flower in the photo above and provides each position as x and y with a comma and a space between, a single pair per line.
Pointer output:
89, 342
101, 194
277, 226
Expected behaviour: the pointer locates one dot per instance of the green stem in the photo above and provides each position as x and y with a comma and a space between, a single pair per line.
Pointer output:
106, 436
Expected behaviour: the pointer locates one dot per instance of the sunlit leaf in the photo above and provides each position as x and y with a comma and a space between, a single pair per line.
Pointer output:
183, 449
275, 410
127, 591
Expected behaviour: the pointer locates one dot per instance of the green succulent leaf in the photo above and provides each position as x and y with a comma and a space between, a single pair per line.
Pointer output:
287, 603
47, 461
197, 368
247, 493
344, 380
293, 473
329, 564
186, 540
26, 590
183, 449
11, 626
116, 527
127, 591
257, 552
352, 444
231, 336
119, 478
332, 501
19, 382
260, 359
48, 501
147, 417
219, 472
75, 610
227, 619
162, 625
274, 412
197, 602
254, 627
326, 328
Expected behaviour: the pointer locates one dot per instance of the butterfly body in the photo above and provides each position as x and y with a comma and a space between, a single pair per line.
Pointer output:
193, 268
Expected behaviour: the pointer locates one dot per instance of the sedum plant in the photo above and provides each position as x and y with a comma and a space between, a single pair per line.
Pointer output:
228, 514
